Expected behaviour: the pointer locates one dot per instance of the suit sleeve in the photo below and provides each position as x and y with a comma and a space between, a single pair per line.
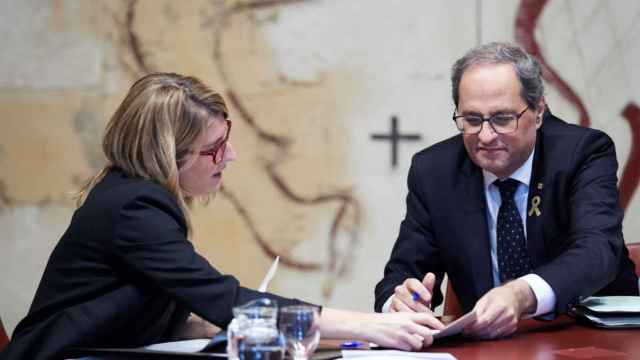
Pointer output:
415, 252
592, 252
150, 242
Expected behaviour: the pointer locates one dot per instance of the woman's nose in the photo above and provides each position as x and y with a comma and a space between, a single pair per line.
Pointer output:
230, 154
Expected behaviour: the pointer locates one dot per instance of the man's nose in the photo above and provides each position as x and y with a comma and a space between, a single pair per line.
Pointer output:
487, 134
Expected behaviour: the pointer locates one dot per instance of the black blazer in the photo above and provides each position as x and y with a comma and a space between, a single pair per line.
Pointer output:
575, 244
124, 275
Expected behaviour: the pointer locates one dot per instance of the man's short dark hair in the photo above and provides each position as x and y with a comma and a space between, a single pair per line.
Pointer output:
526, 67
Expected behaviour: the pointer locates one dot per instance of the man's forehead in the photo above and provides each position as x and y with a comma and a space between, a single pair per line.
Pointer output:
486, 71
490, 86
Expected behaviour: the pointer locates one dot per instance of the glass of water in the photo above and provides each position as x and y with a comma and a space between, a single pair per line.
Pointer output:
299, 326
261, 344
253, 334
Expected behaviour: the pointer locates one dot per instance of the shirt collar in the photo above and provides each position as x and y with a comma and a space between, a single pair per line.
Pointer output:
522, 174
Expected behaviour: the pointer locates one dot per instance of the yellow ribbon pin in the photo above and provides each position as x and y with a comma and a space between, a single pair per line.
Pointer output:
535, 209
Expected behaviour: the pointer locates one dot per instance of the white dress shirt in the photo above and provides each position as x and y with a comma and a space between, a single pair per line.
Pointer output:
545, 296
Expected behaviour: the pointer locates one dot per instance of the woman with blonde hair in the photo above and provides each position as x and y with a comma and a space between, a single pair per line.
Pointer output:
125, 274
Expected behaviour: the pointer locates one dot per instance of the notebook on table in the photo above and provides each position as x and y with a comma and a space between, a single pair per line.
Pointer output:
610, 312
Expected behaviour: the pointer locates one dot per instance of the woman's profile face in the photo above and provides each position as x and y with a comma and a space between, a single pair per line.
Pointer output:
202, 170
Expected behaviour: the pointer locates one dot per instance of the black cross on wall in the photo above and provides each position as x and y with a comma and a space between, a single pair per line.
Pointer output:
395, 137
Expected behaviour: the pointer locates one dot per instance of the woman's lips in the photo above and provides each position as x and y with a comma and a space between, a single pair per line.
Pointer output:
218, 173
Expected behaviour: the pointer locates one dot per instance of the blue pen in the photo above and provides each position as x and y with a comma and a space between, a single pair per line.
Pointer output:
351, 344
415, 296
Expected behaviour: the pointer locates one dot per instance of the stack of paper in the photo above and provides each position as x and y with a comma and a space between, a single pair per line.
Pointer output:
393, 355
184, 346
609, 311
455, 327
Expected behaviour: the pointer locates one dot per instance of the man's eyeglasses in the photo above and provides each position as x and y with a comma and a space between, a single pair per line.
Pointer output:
500, 123
217, 152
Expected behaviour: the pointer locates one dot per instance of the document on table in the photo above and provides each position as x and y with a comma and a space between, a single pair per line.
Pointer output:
394, 355
612, 304
455, 327
184, 346
609, 311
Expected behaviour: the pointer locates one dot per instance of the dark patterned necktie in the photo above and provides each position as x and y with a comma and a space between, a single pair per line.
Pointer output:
513, 258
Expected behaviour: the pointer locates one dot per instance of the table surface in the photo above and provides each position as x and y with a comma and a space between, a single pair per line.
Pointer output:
543, 339
539, 340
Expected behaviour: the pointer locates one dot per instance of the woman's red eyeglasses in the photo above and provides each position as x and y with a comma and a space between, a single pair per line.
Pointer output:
217, 152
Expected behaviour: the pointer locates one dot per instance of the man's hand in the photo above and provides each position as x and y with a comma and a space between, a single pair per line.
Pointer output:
498, 311
413, 295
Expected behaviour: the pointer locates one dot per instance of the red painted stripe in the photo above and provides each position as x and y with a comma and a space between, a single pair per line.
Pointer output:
631, 173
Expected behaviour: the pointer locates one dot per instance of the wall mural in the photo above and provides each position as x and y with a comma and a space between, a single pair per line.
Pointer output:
347, 216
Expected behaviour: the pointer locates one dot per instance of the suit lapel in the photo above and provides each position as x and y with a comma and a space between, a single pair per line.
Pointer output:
475, 228
535, 206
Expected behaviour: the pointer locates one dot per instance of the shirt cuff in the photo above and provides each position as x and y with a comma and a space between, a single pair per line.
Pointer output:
545, 297
387, 304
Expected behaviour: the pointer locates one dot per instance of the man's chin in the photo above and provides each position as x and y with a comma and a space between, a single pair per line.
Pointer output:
493, 166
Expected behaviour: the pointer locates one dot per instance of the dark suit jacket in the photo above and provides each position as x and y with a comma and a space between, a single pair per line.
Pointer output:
124, 275
575, 244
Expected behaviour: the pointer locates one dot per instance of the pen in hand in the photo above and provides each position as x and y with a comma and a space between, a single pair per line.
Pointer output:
418, 299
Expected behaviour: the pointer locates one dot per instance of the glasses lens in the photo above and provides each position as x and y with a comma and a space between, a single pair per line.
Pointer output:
471, 124
504, 123
217, 157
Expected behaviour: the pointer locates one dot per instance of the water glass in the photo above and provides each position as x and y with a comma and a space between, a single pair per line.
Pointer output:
299, 326
253, 333
261, 344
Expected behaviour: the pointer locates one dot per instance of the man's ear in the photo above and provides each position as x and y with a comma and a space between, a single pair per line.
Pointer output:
540, 109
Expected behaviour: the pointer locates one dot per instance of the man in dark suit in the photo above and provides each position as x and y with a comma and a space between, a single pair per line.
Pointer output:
520, 210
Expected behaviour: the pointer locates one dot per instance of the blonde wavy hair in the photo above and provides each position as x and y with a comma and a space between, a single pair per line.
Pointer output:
154, 129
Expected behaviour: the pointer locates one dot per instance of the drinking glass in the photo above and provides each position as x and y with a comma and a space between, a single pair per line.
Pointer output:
253, 333
299, 326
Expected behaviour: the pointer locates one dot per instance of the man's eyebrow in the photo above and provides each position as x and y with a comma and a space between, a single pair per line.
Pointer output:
495, 112
504, 111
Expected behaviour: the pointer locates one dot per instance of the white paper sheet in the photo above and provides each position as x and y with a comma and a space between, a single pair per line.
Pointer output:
455, 327
612, 304
184, 346
393, 355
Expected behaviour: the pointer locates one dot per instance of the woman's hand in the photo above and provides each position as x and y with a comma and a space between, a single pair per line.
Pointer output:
405, 331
